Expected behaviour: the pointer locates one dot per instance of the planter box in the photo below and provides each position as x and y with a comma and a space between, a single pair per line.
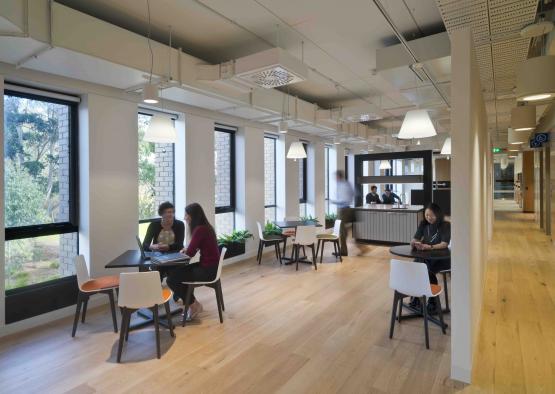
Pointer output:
233, 249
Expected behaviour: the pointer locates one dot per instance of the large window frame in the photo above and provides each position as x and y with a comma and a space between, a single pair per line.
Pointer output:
274, 205
151, 113
231, 208
35, 299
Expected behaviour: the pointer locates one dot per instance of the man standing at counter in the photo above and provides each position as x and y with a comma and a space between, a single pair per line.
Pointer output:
373, 197
389, 197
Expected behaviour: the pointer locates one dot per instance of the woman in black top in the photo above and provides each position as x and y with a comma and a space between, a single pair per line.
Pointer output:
433, 233
167, 234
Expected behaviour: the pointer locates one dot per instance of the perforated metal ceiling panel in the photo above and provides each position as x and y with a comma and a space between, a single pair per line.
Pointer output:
500, 50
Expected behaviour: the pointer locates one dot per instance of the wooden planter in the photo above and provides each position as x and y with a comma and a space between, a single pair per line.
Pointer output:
233, 249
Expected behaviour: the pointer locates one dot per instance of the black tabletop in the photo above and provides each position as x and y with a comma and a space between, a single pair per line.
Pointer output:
133, 259
409, 251
296, 223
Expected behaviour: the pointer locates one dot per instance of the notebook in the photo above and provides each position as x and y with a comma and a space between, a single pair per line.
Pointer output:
168, 258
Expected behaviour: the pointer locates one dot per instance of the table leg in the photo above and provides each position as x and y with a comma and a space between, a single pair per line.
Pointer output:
146, 317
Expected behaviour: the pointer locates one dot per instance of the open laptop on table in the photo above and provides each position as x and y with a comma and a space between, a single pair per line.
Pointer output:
159, 258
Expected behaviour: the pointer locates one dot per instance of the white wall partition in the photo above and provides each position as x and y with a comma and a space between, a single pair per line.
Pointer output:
471, 210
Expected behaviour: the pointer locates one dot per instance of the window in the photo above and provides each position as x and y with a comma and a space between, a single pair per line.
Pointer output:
303, 183
327, 177
156, 175
40, 197
270, 178
224, 164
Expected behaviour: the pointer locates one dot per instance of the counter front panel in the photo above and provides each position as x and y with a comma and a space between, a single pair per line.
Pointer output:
384, 223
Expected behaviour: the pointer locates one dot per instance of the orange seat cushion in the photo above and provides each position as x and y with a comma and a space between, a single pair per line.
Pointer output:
166, 294
102, 283
436, 289
288, 233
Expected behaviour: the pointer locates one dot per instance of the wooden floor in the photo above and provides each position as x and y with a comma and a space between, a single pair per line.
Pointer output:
284, 331
516, 343
312, 332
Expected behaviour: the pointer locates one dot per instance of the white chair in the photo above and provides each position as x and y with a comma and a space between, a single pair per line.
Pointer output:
334, 237
410, 279
305, 236
270, 240
142, 290
89, 287
215, 284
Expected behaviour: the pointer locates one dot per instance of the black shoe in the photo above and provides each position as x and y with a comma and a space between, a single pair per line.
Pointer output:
432, 307
415, 303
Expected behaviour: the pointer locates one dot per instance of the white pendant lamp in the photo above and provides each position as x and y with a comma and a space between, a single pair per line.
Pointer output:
161, 130
523, 118
150, 94
283, 127
504, 162
535, 79
446, 148
384, 165
417, 124
296, 151
518, 137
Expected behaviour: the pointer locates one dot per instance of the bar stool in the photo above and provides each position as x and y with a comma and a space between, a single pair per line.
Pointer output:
216, 284
411, 279
142, 290
305, 236
333, 237
89, 287
271, 240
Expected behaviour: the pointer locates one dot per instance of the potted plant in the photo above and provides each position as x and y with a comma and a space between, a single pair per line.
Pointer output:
271, 229
234, 242
309, 218
330, 219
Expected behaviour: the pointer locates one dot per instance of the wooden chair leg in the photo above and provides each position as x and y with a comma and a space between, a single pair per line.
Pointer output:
156, 329
113, 309
219, 303
279, 253
124, 318
297, 256
284, 246
322, 250
84, 313
77, 313
186, 303
169, 318
393, 314
440, 313
425, 313
444, 274
340, 255
317, 248
314, 260
222, 293
259, 254
400, 313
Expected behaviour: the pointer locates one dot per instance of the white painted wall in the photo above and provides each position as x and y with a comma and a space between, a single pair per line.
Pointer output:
316, 180
471, 211
108, 179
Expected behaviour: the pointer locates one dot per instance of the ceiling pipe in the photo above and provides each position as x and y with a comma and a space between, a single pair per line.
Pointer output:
405, 44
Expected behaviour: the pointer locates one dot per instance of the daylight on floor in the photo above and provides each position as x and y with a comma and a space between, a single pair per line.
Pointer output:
259, 196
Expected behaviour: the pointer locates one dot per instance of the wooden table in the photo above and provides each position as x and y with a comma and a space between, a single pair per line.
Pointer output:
409, 251
294, 224
133, 259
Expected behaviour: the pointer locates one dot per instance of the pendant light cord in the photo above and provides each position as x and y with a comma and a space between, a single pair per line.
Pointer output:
149, 44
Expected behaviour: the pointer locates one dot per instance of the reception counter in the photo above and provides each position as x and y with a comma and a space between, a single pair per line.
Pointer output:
386, 223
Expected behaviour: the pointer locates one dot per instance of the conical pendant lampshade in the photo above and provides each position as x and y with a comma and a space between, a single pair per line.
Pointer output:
296, 151
417, 124
161, 130
384, 165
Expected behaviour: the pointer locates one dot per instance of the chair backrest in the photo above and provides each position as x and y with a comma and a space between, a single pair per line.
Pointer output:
410, 278
220, 264
337, 228
260, 232
81, 270
140, 289
305, 235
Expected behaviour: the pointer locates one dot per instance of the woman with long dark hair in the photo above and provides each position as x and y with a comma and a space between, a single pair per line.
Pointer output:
202, 240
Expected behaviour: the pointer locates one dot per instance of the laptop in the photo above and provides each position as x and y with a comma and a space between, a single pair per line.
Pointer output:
146, 255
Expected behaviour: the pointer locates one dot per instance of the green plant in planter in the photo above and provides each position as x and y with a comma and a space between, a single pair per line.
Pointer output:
236, 236
309, 218
271, 229
331, 216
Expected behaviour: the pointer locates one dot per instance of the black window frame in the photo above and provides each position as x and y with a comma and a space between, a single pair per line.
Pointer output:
232, 206
304, 191
274, 205
141, 221
39, 298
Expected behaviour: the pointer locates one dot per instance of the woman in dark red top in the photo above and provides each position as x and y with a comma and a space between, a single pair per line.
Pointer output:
203, 240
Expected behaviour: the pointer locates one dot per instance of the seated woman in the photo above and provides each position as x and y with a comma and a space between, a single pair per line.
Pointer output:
433, 233
167, 234
203, 239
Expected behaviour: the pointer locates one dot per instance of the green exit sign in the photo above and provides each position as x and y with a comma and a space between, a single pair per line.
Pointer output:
497, 150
